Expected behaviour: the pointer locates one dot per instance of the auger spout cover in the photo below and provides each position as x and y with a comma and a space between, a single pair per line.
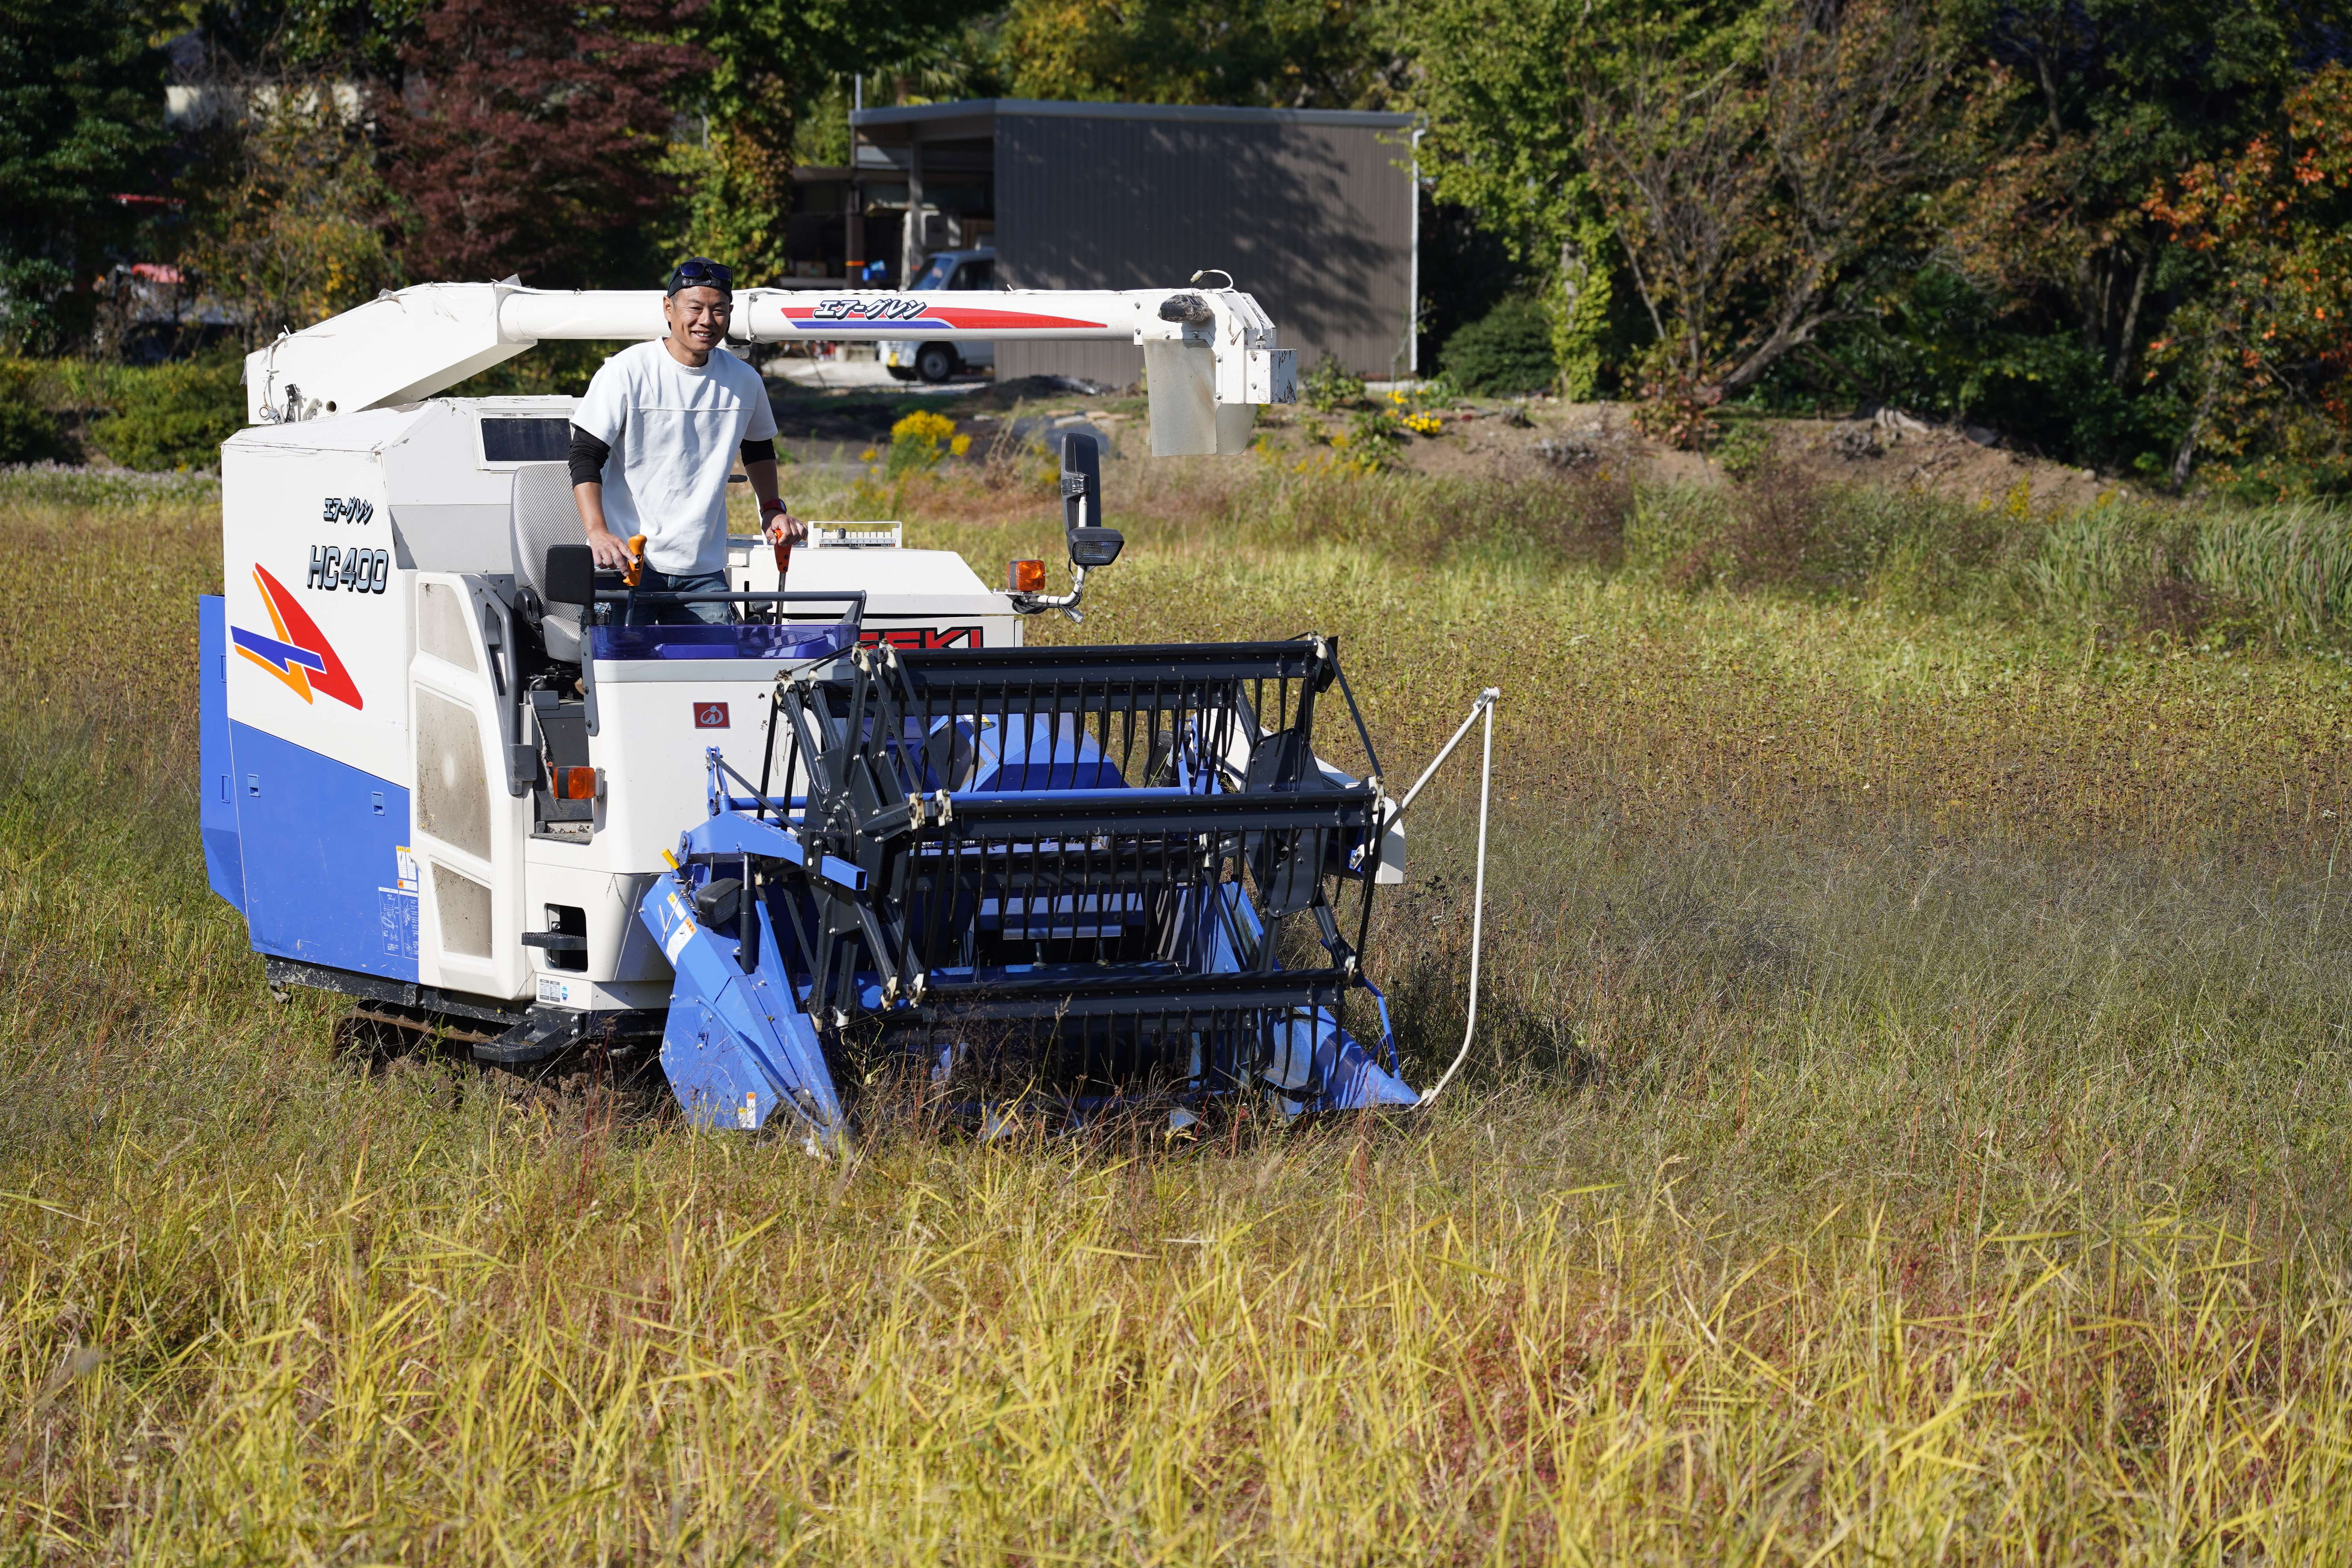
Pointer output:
1211, 353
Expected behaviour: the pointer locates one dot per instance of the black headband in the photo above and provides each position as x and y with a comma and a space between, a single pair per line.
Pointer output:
699, 272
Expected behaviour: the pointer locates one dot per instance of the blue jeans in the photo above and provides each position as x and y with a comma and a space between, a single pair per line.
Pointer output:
708, 612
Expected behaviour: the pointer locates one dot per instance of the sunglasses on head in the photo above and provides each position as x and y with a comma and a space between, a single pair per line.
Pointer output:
702, 275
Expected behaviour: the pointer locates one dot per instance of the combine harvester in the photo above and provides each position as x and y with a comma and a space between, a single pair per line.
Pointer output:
859, 824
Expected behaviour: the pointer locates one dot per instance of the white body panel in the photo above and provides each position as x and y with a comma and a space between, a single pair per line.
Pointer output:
409, 491
278, 491
914, 592
479, 957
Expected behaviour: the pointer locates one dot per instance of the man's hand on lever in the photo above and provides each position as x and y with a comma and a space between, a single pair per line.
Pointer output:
611, 550
612, 554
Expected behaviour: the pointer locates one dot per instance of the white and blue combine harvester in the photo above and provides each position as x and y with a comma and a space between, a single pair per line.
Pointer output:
859, 823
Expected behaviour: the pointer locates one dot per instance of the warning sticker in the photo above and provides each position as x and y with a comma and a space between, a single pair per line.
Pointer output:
396, 910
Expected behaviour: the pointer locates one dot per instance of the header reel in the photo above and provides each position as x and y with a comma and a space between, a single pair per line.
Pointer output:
1061, 877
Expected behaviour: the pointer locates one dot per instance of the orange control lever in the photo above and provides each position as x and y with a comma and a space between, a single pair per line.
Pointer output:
783, 555
637, 560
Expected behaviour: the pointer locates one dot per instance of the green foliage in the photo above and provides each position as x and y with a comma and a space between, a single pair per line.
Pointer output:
776, 64
173, 415
1330, 386
1742, 448
1943, 347
295, 229
1507, 352
1503, 138
2289, 567
2055, 290
30, 431
1291, 53
81, 101
1586, 340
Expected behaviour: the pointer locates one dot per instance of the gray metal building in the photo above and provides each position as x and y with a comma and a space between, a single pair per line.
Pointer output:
1312, 211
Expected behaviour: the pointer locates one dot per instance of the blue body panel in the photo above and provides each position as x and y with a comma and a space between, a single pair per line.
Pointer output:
321, 843
216, 788
736, 1048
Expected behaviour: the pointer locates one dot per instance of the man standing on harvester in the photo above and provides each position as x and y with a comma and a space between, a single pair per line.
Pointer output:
655, 439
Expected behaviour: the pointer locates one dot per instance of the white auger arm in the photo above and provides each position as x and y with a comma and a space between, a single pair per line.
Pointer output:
1209, 354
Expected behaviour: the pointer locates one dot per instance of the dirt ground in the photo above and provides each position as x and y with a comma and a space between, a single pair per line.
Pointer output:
1482, 437
1892, 449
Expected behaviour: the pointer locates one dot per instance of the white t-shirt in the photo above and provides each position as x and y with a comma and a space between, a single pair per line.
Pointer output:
674, 431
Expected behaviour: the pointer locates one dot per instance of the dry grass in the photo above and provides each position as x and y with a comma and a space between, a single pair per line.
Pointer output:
1913, 1128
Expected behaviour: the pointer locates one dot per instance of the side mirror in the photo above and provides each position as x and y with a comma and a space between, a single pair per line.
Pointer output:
1093, 547
1091, 544
571, 574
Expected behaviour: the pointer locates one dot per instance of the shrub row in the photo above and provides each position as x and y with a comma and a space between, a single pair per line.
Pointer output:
162, 417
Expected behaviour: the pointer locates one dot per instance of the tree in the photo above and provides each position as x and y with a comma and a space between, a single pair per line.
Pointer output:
2268, 347
1293, 54
2088, 106
1759, 185
81, 120
294, 229
770, 62
529, 138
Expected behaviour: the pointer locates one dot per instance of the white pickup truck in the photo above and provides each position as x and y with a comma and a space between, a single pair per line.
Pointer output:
938, 362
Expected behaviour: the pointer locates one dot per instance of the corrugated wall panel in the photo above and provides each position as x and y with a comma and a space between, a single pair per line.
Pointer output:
1314, 220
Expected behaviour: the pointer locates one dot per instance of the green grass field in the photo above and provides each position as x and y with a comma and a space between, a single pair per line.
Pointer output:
1909, 1120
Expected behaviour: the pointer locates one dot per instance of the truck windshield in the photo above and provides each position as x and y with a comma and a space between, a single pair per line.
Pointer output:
935, 272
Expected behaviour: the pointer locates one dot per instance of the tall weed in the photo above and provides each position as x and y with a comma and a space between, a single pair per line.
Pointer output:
2289, 566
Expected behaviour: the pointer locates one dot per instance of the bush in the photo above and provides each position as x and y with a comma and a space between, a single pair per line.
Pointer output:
1744, 448
2291, 566
1505, 352
173, 415
920, 439
1330, 386
29, 431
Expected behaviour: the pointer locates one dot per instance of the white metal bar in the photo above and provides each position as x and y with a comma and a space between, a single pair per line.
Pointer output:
412, 343
1477, 892
781, 315
609, 313
1486, 700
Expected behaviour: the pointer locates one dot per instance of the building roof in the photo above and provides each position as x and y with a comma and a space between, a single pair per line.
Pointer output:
970, 116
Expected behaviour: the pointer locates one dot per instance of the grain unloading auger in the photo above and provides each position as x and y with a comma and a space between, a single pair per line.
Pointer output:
858, 825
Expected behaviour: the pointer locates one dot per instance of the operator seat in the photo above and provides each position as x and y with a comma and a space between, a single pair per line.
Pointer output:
545, 515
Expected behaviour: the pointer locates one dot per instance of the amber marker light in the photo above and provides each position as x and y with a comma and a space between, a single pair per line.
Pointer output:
575, 784
1028, 577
